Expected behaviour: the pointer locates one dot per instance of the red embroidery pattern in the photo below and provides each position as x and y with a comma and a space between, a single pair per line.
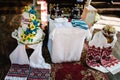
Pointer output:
109, 63
93, 56
107, 59
106, 53
98, 56
17, 70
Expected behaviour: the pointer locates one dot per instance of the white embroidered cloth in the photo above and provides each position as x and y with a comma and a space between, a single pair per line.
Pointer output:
19, 56
113, 64
66, 44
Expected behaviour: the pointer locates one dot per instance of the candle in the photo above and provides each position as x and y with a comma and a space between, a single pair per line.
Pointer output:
33, 2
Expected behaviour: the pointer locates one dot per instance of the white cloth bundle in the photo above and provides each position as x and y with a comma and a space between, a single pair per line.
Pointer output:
66, 44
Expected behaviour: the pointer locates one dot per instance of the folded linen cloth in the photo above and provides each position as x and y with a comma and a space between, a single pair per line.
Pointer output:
79, 23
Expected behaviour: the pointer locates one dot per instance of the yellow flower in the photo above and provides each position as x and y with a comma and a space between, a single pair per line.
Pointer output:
32, 17
23, 37
32, 26
27, 8
31, 35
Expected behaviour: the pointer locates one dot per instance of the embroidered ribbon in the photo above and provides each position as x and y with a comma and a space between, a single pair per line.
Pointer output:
79, 23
